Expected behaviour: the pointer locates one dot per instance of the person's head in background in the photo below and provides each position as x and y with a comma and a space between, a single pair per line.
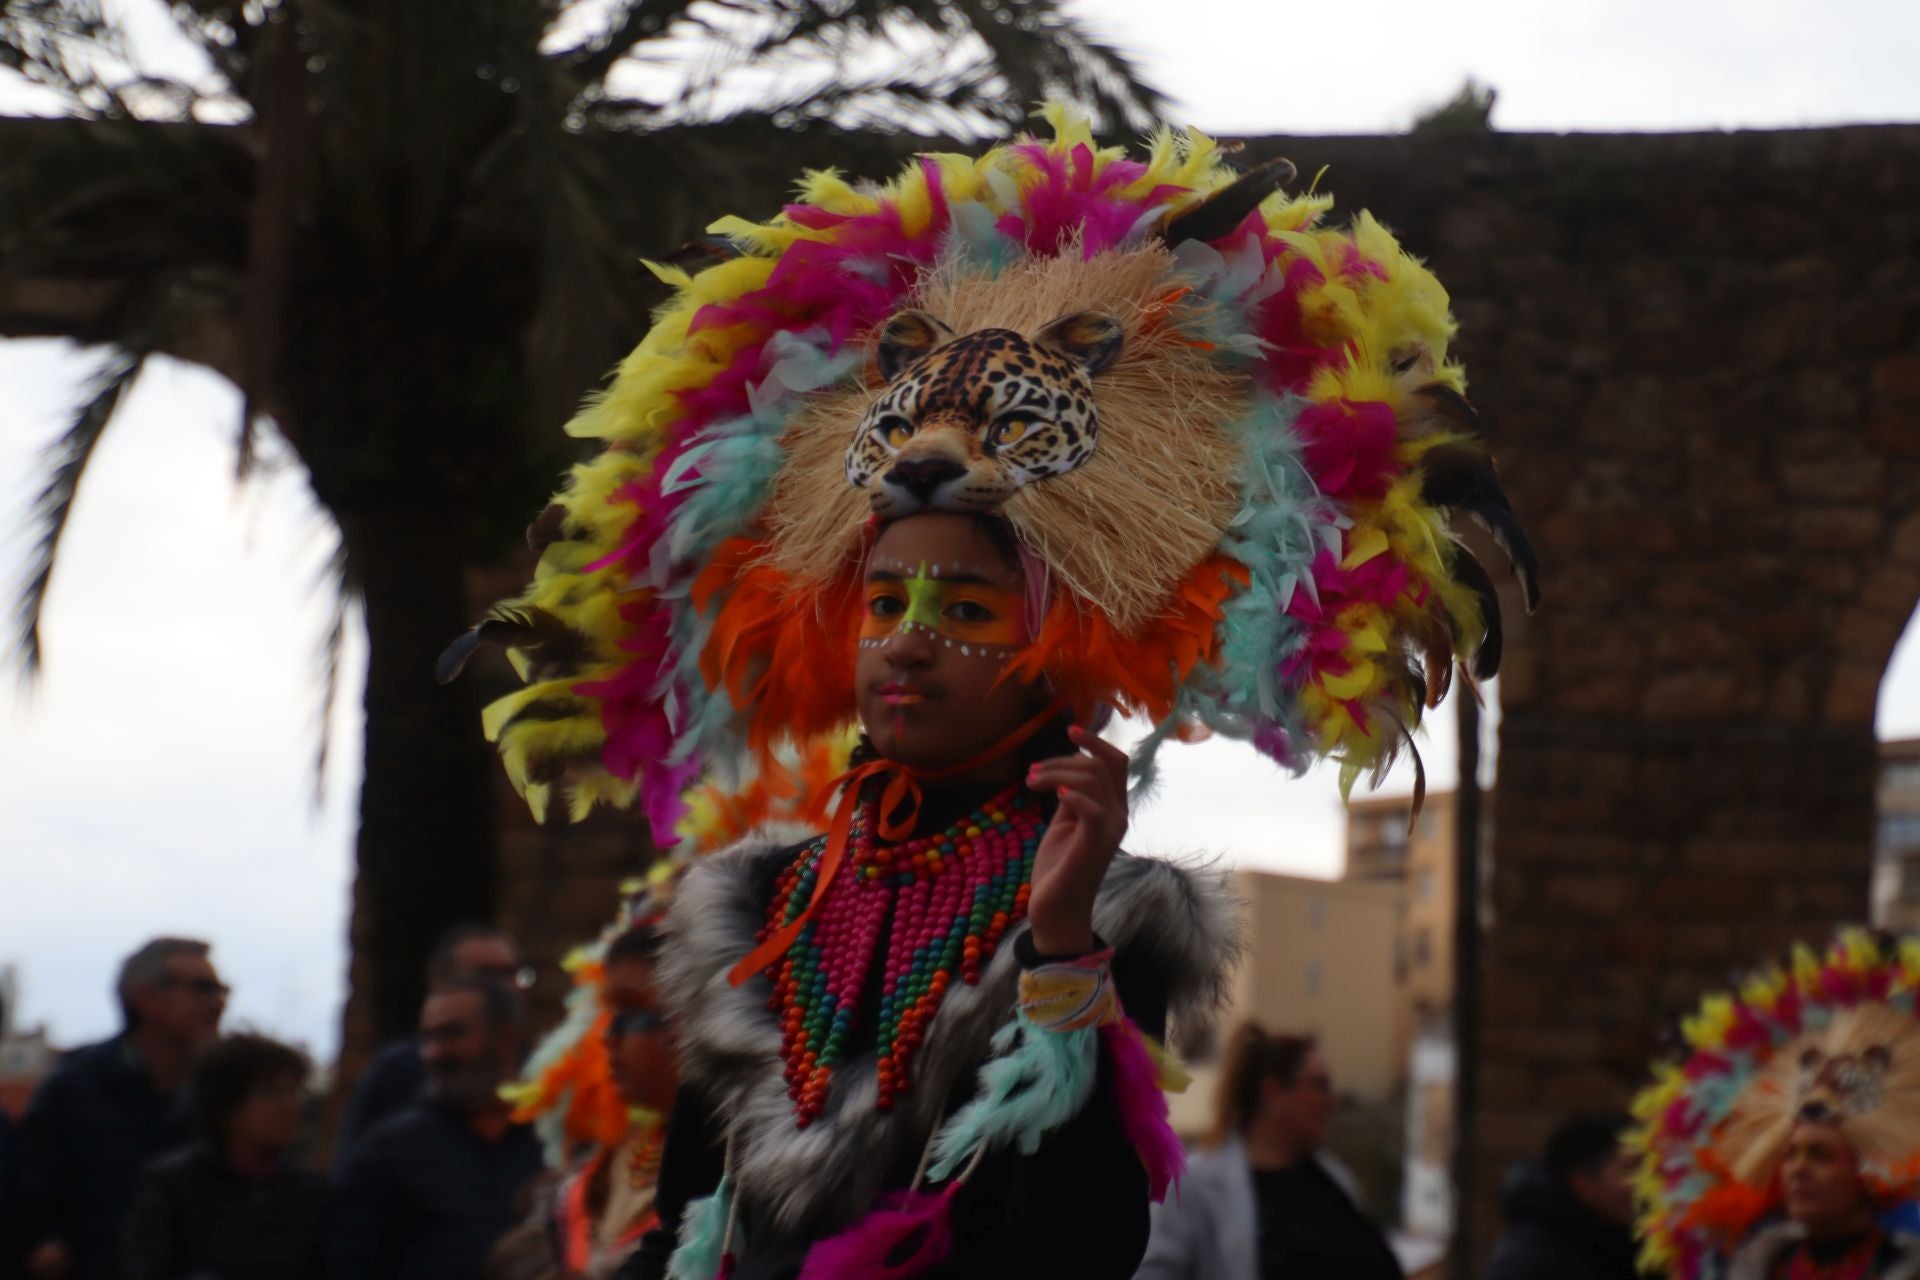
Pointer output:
469, 1042
639, 1042
171, 997
247, 1092
1584, 1154
1276, 1094
477, 951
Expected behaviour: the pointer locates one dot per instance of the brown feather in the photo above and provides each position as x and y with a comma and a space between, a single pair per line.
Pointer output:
1221, 210
1460, 478
552, 646
1473, 576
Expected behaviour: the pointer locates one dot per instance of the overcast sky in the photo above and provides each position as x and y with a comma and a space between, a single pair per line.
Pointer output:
160, 777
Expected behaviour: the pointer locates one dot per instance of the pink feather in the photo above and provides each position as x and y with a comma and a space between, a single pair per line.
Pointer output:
1143, 1107
908, 1234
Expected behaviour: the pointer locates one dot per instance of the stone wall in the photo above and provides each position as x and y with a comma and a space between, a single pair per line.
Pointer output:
1699, 360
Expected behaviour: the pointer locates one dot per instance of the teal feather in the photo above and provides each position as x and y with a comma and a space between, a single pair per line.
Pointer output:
1275, 535
974, 239
703, 1232
1037, 1081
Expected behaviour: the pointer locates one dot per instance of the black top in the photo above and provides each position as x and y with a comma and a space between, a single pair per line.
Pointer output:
196, 1217
91, 1128
392, 1082
423, 1197
1010, 1220
9, 1203
1551, 1235
1310, 1226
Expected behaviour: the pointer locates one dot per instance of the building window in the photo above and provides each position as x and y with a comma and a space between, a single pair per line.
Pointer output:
1391, 831
1316, 911
1422, 949
1315, 977
1899, 831
1423, 885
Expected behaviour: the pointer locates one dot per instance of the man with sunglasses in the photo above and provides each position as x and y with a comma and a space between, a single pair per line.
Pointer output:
428, 1192
397, 1078
109, 1108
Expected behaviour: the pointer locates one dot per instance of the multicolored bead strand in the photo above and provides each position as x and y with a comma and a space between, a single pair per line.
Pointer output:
945, 900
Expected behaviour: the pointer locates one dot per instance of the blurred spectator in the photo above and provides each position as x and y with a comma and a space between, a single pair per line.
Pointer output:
234, 1205
1570, 1215
396, 1079
584, 1224
109, 1108
9, 1204
427, 1193
1268, 1202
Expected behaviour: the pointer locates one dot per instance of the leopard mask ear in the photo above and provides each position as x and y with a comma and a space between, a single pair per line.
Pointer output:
1091, 339
904, 338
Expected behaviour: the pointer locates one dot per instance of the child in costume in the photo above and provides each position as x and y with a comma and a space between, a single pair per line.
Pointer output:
1786, 1143
598, 1089
972, 460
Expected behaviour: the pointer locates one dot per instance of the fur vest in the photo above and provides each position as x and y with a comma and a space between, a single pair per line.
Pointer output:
1180, 921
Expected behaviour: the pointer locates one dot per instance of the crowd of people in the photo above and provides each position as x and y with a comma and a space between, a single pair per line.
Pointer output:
174, 1152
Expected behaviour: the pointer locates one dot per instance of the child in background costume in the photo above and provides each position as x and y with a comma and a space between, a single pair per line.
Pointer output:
973, 459
1786, 1144
599, 1089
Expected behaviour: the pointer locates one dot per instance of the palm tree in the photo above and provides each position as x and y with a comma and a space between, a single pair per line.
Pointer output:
409, 232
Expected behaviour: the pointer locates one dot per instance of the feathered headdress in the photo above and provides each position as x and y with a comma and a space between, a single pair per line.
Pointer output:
1237, 457
1829, 1038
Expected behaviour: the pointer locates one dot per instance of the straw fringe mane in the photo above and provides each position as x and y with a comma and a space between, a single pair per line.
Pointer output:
1887, 1135
1165, 465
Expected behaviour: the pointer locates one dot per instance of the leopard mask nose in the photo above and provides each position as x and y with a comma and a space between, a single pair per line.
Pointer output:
922, 477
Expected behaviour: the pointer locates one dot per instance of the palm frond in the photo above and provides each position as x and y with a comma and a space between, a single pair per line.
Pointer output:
67, 460
73, 50
337, 589
588, 61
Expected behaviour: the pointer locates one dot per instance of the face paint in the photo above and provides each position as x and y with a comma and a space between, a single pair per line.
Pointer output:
964, 610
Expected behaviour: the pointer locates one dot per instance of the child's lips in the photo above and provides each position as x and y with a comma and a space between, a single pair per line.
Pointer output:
899, 695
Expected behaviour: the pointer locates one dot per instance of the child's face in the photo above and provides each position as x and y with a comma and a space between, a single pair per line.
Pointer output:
944, 613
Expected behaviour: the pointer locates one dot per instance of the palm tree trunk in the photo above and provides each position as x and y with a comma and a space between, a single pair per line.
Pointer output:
426, 853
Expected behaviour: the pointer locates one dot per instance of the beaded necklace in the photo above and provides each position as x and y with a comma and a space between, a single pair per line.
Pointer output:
1857, 1263
951, 897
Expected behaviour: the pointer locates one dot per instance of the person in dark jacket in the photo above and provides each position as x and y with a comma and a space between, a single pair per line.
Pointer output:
429, 1191
1570, 1215
109, 1108
1269, 1202
234, 1205
9, 1203
396, 1078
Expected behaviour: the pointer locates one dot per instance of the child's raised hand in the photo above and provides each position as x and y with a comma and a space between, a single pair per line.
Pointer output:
1080, 842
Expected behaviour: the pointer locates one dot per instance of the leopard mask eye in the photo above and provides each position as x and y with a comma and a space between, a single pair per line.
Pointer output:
1009, 431
893, 432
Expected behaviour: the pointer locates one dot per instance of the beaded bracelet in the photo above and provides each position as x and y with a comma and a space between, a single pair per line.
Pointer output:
1070, 995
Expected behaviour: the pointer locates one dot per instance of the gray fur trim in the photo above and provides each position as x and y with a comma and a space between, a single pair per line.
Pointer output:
1184, 919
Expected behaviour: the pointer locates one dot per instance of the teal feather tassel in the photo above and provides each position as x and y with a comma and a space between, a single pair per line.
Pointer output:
703, 1231
1038, 1082
975, 240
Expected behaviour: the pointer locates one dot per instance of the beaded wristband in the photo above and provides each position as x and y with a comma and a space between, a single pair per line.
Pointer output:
1070, 995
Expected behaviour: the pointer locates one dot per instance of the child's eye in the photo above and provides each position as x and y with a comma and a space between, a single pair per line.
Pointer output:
885, 605
969, 611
